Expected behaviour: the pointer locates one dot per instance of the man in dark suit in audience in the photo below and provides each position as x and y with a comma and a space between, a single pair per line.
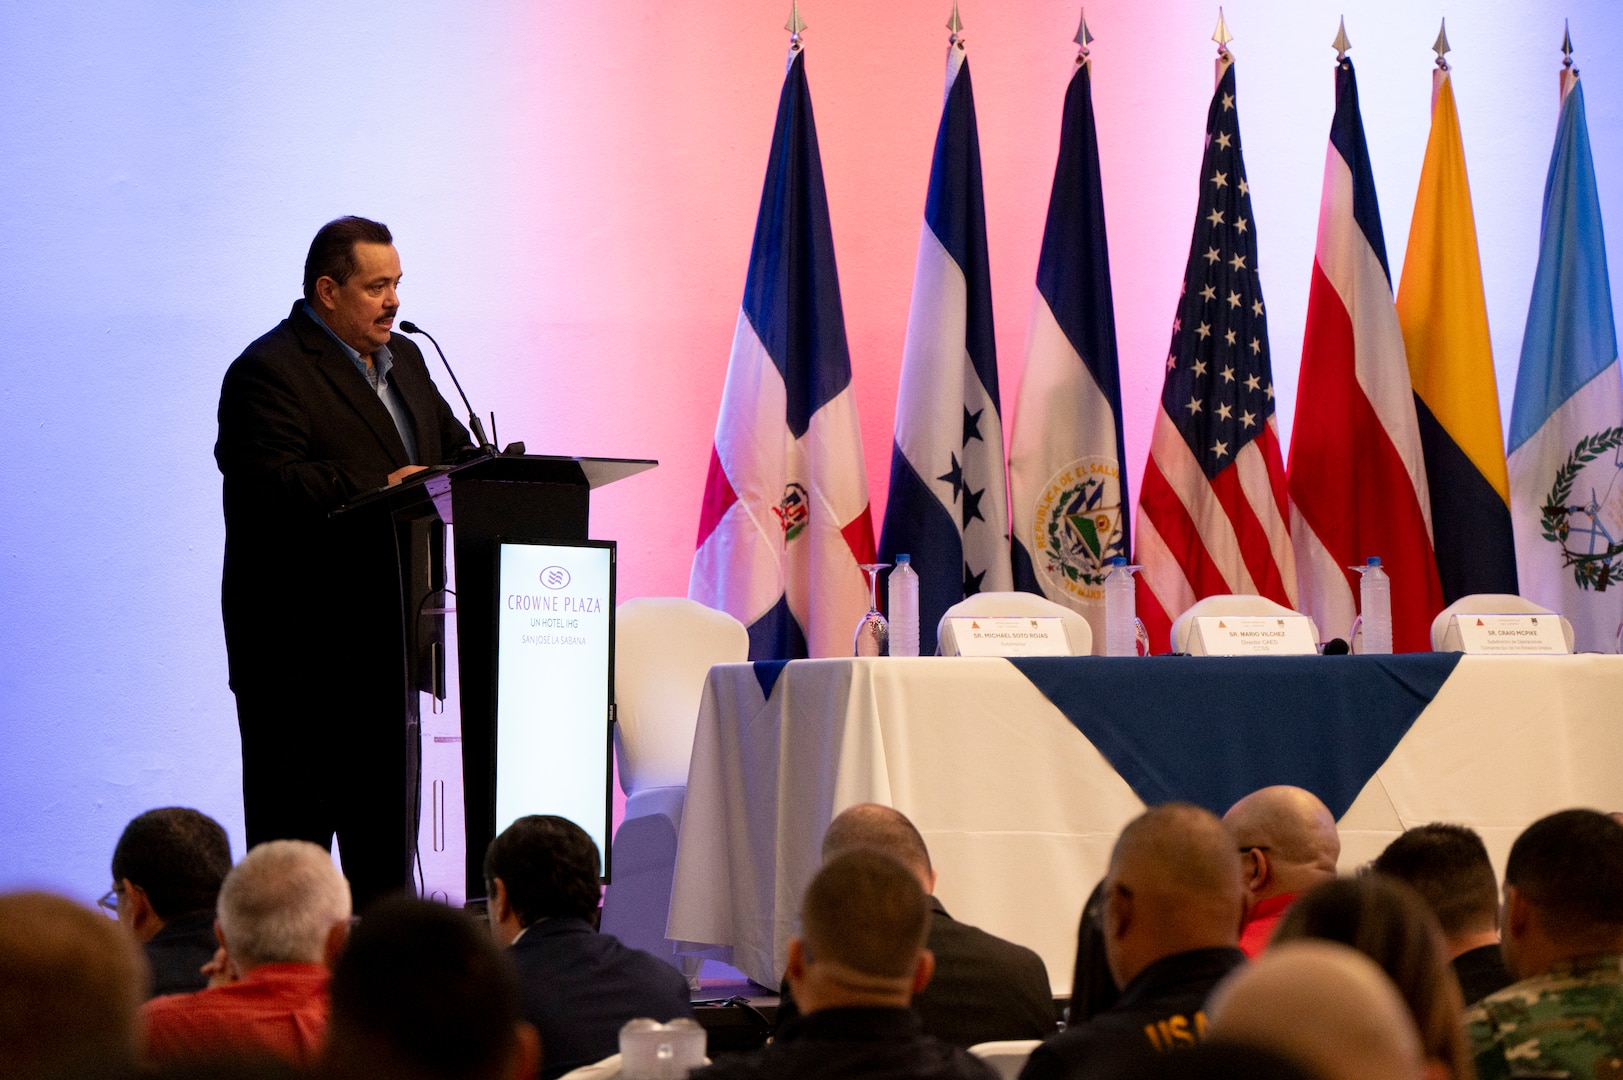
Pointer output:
1174, 897
1448, 866
984, 989
859, 959
167, 869
327, 405
542, 875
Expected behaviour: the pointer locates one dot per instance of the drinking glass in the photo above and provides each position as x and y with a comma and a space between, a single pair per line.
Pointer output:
873, 632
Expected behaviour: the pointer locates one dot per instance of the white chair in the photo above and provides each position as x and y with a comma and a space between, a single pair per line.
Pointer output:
664, 647
1236, 604
1007, 1058
1490, 604
992, 605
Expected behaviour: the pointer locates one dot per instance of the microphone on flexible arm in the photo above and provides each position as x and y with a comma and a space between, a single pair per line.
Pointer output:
474, 425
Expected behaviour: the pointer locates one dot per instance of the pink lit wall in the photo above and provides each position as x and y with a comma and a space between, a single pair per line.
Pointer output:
573, 188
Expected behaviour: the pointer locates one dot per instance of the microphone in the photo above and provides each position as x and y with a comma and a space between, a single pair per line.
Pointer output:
473, 417
1336, 647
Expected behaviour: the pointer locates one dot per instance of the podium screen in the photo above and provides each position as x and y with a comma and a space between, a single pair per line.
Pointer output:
554, 683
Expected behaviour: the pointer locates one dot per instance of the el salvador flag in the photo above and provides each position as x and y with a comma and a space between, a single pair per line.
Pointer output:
785, 522
948, 506
1566, 426
1067, 474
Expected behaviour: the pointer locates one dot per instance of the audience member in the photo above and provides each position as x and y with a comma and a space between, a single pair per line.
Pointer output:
1092, 988
1288, 840
283, 915
1173, 903
1325, 1006
422, 993
1216, 1060
1563, 938
984, 988
854, 969
70, 987
1386, 921
167, 869
1448, 866
577, 986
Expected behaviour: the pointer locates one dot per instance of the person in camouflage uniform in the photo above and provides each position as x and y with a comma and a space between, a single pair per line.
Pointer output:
1562, 927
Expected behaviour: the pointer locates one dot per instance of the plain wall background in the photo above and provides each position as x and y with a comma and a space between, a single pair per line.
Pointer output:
573, 189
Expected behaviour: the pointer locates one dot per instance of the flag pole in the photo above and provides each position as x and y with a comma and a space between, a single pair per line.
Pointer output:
1082, 39
795, 25
1222, 36
1569, 74
1440, 72
1341, 44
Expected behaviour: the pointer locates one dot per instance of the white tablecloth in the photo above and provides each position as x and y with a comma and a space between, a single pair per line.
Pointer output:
1020, 811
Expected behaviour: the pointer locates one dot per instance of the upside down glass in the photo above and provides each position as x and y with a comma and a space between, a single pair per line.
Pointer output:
873, 632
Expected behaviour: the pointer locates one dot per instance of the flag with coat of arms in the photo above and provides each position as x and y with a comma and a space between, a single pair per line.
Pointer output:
1067, 477
785, 524
948, 505
1566, 424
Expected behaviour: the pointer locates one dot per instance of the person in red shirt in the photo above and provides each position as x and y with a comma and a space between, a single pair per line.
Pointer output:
1288, 842
282, 918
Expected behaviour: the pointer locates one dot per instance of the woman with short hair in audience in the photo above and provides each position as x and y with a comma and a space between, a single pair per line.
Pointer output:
1387, 921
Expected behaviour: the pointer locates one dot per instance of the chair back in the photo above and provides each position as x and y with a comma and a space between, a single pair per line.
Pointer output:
663, 649
1236, 604
1490, 604
1006, 1058
992, 605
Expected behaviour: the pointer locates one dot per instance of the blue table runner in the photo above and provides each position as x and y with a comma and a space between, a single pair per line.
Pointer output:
1209, 730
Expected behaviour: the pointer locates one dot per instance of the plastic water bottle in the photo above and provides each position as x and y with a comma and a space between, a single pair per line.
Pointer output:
1121, 614
1375, 608
904, 608
650, 1050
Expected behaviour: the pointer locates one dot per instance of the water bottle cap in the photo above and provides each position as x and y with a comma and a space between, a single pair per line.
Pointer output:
1373, 560
1118, 560
900, 559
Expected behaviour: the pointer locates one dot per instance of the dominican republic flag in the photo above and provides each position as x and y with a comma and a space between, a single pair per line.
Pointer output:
1357, 477
948, 505
1212, 508
1444, 316
1067, 481
1566, 426
785, 520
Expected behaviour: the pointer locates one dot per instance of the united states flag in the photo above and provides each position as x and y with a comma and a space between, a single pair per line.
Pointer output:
1212, 509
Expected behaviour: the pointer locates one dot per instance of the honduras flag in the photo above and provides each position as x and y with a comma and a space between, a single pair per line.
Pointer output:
1067, 479
785, 523
1566, 425
947, 505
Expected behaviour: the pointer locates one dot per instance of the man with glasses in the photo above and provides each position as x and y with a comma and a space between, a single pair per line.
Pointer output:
167, 870
1288, 844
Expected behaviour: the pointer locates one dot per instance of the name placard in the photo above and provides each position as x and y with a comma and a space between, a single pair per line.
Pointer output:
1011, 636
1506, 635
1253, 635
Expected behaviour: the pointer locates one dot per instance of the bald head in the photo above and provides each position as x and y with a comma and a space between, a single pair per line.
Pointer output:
1174, 885
871, 827
1288, 838
1324, 1005
70, 986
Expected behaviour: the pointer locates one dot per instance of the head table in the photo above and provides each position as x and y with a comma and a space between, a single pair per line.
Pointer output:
1020, 773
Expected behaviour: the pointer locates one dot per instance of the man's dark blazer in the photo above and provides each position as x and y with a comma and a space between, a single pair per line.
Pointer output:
984, 989
579, 987
301, 430
313, 612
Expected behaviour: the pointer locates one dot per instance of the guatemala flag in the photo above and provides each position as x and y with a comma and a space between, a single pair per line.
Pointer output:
1067, 480
947, 507
1357, 473
785, 518
1566, 426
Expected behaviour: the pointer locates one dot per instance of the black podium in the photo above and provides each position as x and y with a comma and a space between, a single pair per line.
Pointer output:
528, 496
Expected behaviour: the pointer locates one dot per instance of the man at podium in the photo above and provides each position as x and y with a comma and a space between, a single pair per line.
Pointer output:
329, 404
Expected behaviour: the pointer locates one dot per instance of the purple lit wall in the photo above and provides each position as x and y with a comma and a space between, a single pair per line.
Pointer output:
573, 189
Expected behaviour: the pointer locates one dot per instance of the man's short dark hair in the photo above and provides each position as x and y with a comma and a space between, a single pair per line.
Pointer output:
332, 252
1570, 866
178, 856
867, 912
550, 867
878, 828
1448, 866
427, 987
